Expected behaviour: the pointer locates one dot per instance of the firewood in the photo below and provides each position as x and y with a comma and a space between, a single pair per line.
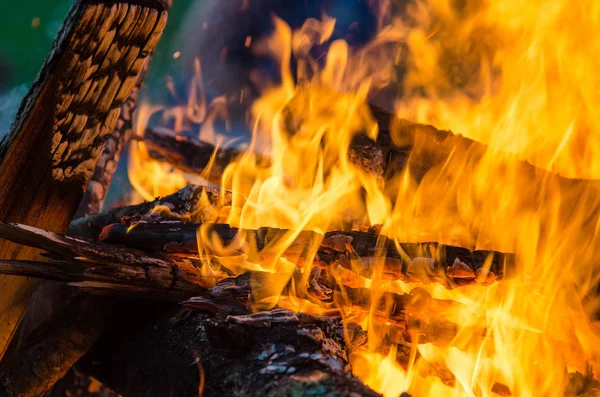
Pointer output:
187, 353
180, 205
49, 294
53, 145
87, 263
106, 267
354, 250
400, 143
408, 318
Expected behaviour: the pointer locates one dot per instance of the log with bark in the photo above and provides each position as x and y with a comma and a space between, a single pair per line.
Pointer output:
186, 353
272, 352
366, 253
50, 296
108, 268
51, 150
400, 143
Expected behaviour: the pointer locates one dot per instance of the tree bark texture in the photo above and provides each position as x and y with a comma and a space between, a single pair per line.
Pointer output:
53, 145
186, 353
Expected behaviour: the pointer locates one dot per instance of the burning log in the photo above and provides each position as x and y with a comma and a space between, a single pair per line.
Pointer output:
229, 337
104, 267
361, 252
195, 156
179, 206
399, 143
71, 107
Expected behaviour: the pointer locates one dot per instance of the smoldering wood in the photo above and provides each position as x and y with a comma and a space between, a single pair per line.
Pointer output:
271, 353
54, 347
365, 253
62, 122
180, 205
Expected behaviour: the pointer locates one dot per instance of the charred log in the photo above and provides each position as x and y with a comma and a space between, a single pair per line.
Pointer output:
192, 155
362, 252
398, 144
63, 121
180, 205
272, 353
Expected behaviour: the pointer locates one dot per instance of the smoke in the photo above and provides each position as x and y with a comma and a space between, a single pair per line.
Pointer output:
217, 33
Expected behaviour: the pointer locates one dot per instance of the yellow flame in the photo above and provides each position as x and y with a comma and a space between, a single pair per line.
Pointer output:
517, 76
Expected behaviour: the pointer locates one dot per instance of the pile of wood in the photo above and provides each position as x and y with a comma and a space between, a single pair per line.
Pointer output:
146, 312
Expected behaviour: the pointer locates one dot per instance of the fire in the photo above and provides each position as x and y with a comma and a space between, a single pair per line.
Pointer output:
518, 77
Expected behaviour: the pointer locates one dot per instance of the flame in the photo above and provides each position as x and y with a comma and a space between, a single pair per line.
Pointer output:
518, 77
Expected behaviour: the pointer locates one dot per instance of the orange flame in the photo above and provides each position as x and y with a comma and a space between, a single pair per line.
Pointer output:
519, 77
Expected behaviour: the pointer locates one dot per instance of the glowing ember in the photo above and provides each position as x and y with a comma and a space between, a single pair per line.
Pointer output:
519, 77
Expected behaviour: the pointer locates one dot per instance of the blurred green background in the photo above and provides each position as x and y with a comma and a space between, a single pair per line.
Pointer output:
28, 28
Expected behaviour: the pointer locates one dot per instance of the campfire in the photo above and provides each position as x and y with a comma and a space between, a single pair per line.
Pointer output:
414, 213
